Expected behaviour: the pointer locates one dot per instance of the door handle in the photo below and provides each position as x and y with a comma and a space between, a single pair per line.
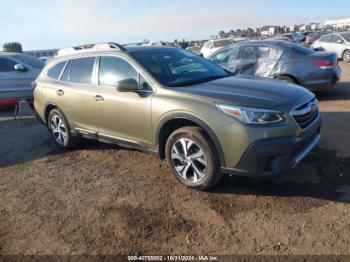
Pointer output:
60, 92
98, 98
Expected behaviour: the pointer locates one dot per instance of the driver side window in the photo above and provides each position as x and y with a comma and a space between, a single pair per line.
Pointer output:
115, 69
7, 65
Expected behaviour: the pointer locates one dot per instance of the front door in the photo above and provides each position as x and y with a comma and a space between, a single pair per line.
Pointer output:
122, 115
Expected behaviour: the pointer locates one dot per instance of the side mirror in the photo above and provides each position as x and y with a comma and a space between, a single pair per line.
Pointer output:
127, 85
339, 41
20, 68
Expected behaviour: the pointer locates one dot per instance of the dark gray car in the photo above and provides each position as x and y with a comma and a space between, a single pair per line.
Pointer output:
282, 60
17, 72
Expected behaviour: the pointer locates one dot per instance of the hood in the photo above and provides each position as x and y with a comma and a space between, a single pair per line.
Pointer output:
247, 91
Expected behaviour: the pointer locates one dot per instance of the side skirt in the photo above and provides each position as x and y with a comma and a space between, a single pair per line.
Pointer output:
131, 144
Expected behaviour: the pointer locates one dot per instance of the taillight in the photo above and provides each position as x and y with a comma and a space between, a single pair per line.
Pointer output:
34, 84
323, 64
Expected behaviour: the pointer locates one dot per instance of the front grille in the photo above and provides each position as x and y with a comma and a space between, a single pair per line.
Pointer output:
305, 114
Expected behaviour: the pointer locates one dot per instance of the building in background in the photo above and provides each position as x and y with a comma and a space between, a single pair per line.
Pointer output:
42, 53
337, 24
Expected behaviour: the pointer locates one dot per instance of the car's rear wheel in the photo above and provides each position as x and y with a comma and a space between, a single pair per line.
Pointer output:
346, 56
59, 129
287, 79
192, 158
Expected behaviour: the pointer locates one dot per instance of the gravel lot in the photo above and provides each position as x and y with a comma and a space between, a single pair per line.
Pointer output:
101, 199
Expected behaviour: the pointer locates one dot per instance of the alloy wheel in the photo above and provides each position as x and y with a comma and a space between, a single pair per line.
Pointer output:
58, 129
346, 56
189, 160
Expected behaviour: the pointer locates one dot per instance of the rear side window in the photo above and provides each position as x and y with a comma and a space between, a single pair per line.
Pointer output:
81, 70
224, 56
326, 38
115, 69
302, 49
55, 71
6, 65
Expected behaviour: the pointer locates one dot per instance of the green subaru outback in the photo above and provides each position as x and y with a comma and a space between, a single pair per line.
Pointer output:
201, 119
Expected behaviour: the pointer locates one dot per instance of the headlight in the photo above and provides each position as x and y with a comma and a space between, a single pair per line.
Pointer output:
252, 115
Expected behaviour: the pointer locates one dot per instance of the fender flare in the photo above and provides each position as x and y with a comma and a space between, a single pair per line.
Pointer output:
198, 122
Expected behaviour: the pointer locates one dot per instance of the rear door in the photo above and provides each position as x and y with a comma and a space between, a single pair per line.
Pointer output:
74, 95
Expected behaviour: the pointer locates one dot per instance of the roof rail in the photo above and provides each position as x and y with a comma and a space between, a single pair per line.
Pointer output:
89, 48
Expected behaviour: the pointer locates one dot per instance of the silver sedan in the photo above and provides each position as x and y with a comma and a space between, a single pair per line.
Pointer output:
338, 43
17, 72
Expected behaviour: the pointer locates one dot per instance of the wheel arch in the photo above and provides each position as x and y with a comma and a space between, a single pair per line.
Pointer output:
290, 76
177, 120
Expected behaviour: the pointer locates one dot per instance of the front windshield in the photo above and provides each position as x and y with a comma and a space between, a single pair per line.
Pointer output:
221, 43
176, 67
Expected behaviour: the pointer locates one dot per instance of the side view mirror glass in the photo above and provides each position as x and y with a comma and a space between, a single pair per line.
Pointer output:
127, 85
339, 41
20, 67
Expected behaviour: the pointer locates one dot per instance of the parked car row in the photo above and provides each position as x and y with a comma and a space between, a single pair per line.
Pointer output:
339, 43
282, 60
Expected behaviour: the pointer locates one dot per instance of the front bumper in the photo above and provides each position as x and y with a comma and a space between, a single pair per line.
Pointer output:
268, 157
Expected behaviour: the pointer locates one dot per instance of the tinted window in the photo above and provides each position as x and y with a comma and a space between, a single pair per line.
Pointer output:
115, 69
56, 70
6, 65
29, 60
175, 67
81, 70
66, 73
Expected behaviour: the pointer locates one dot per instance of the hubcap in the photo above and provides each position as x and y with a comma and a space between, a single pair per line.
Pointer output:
58, 129
189, 160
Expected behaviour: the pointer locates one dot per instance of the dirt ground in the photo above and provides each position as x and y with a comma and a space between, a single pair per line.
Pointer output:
101, 199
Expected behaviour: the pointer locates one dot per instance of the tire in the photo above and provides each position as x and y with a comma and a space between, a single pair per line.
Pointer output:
60, 130
346, 56
199, 168
287, 79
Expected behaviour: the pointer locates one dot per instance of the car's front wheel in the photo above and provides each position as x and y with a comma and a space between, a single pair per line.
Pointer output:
346, 56
59, 129
192, 158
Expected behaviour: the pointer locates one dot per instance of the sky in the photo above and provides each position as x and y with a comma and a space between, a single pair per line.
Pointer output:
43, 24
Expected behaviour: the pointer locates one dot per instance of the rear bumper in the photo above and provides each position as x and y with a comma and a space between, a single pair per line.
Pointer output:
324, 79
268, 157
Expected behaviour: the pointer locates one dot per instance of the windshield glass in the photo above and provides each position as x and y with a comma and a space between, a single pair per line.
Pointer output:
29, 60
221, 43
346, 36
176, 67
